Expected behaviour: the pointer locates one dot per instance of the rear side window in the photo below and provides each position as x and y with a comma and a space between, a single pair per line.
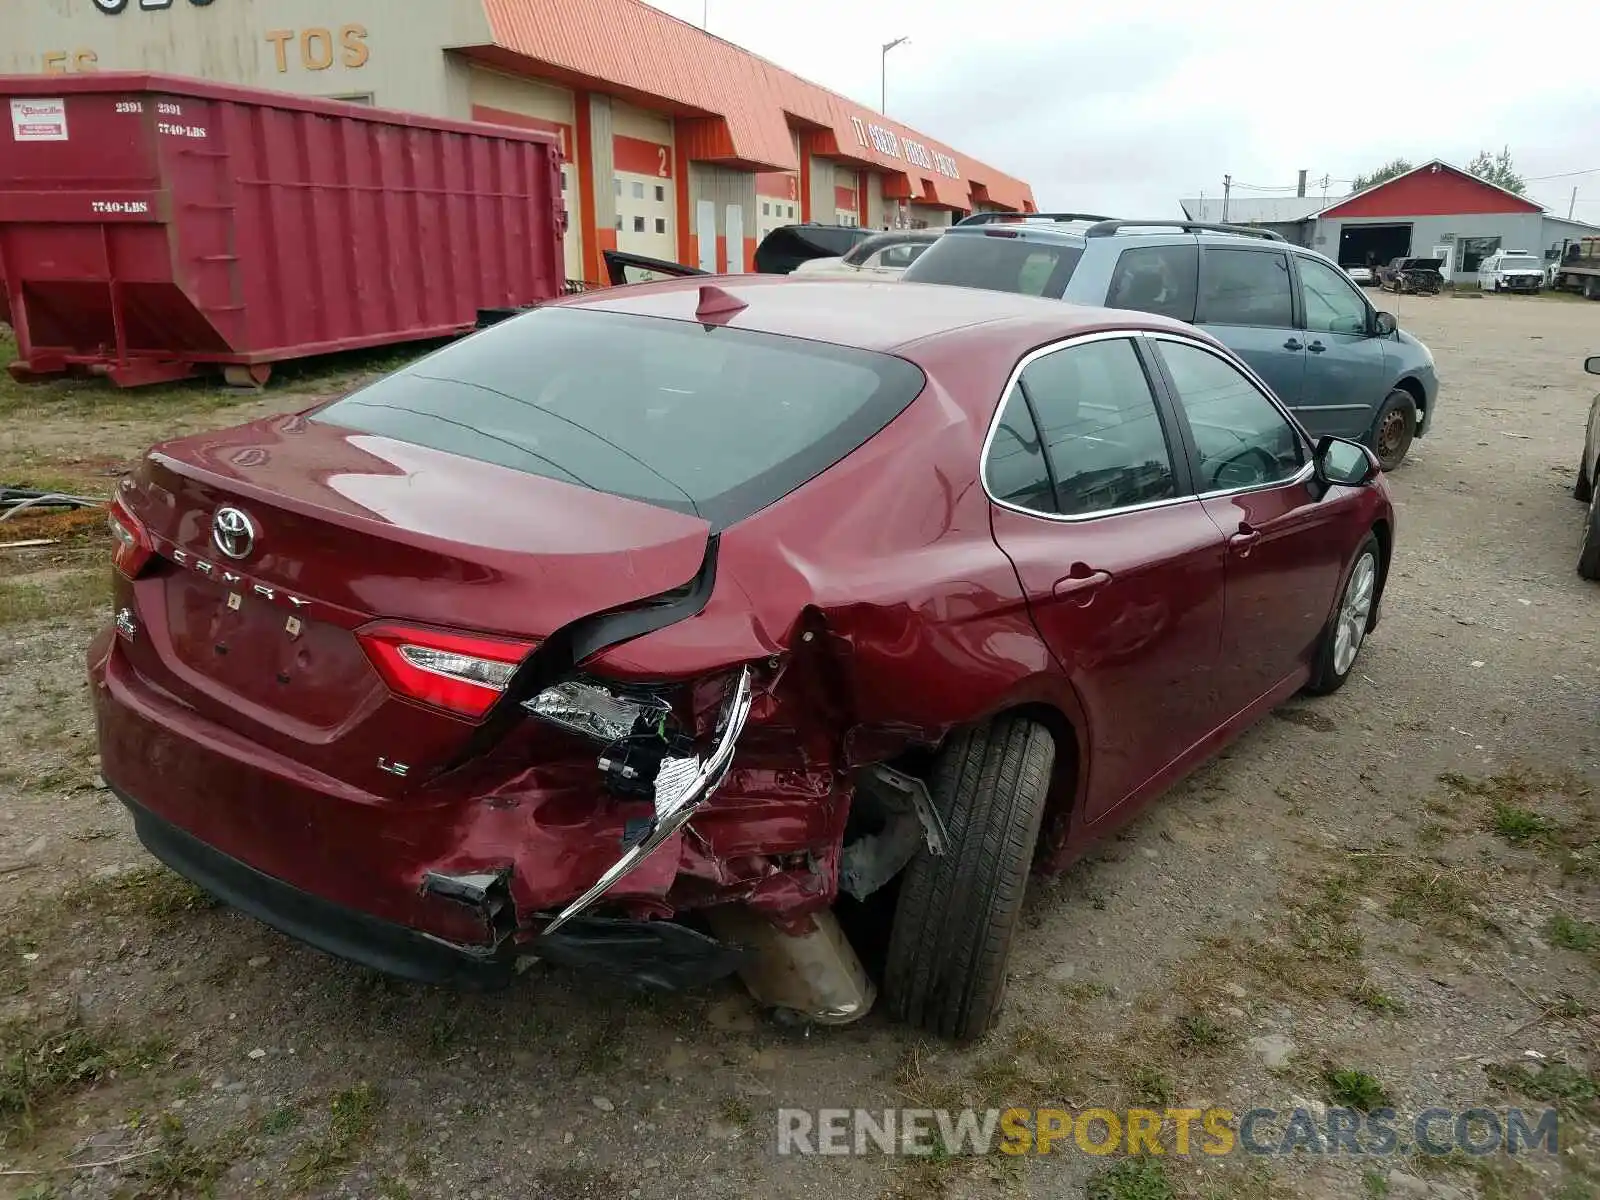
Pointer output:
1245, 287
718, 423
1157, 279
997, 264
1099, 443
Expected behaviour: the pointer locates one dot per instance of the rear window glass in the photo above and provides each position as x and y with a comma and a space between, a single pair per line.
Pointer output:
715, 422
997, 264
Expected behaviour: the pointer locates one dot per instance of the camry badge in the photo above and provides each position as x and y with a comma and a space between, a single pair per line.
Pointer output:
233, 533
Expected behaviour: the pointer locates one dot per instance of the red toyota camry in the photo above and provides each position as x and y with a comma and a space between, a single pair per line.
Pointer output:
630, 632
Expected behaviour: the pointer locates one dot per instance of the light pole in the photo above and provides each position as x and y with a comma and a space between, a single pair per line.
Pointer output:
883, 79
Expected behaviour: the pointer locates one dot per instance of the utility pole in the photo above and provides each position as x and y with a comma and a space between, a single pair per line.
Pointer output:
705, 14
1227, 188
883, 77
1573, 203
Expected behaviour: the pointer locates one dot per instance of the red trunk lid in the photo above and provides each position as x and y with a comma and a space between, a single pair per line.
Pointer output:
349, 528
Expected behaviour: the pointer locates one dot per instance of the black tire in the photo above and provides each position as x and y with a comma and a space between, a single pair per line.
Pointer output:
1583, 486
1589, 555
956, 914
1393, 429
1326, 676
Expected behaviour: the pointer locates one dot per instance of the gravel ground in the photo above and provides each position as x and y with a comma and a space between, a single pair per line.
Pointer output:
1399, 880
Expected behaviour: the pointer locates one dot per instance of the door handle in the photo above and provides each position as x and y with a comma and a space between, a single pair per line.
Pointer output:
1080, 584
1244, 540
1294, 344
1316, 347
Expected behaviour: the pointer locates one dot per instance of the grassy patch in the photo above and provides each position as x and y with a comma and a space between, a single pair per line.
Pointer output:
1516, 824
736, 1111
1198, 1033
72, 593
352, 1118
1131, 1179
1572, 934
179, 1167
154, 892
42, 1062
1354, 1089
1437, 899
279, 1121
1370, 996
1558, 1084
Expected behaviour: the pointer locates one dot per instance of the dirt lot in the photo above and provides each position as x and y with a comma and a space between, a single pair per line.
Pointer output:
1388, 894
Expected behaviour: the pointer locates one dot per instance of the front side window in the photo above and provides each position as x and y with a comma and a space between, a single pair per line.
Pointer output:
1245, 287
1333, 305
1157, 279
1243, 439
1082, 422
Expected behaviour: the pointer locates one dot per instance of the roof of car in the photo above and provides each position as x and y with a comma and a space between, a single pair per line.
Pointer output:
871, 315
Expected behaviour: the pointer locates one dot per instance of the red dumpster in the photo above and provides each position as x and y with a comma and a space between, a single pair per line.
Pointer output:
152, 226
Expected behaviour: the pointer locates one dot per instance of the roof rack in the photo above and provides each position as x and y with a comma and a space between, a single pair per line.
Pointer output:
1109, 228
989, 218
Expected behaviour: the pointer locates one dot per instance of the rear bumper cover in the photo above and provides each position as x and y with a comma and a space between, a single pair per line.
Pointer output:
654, 954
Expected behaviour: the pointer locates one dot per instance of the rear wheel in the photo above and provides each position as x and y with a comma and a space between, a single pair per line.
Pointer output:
1589, 555
956, 914
1346, 632
1583, 486
1395, 426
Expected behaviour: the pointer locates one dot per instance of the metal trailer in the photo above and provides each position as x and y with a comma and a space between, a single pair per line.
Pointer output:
152, 227
1579, 268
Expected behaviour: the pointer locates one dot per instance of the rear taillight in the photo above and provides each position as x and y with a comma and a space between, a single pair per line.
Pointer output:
131, 549
461, 673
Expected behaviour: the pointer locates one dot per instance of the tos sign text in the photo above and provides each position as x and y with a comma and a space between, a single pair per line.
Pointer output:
890, 144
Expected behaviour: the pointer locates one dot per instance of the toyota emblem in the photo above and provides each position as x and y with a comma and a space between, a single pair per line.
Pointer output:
233, 533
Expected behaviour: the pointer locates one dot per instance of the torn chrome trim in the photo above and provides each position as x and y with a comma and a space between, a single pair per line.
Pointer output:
682, 785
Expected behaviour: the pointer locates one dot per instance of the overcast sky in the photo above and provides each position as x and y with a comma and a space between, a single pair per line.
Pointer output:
1124, 107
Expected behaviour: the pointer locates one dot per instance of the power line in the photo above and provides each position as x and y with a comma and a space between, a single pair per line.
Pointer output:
1563, 175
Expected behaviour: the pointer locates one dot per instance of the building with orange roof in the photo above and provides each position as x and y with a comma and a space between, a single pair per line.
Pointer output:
678, 144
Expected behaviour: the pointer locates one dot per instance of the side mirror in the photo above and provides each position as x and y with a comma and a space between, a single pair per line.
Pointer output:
1344, 463
1384, 324
1592, 365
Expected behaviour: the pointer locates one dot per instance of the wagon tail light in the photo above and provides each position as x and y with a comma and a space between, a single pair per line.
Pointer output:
131, 549
460, 673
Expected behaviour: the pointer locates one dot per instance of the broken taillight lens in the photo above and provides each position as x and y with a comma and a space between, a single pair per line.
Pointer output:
131, 548
461, 673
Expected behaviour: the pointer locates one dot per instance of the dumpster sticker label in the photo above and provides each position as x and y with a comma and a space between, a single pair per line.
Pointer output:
188, 131
39, 120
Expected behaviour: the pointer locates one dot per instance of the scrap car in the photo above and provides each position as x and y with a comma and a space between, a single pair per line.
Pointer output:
1412, 276
755, 593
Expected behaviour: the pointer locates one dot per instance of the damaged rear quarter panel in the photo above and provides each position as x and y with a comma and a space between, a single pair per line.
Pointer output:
892, 617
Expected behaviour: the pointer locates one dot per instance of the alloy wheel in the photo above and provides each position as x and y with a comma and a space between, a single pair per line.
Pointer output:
1354, 611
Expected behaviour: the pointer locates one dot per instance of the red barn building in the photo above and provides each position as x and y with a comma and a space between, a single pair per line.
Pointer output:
1438, 210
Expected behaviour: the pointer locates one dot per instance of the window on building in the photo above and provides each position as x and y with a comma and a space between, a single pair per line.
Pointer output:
638, 224
616, 185
661, 224
1472, 252
791, 212
638, 190
661, 193
619, 222
766, 208
563, 181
